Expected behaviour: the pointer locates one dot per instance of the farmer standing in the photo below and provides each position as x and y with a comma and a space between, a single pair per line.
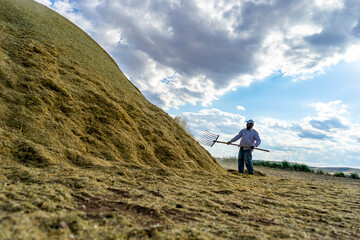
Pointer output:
249, 140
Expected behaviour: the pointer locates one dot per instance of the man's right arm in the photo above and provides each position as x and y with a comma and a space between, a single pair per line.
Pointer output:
237, 137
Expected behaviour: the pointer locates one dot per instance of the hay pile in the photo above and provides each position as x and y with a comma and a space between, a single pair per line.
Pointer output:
64, 102
85, 156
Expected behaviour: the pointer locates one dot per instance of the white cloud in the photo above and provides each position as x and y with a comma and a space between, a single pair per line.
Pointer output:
213, 120
113, 36
215, 46
45, 2
240, 108
319, 140
330, 109
329, 4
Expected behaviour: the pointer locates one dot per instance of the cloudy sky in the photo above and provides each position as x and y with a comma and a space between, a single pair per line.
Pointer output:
291, 66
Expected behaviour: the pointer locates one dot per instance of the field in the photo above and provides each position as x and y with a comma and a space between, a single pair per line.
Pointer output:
139, 202
271, 172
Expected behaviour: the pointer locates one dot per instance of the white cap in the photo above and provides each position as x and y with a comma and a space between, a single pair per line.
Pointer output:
250, 121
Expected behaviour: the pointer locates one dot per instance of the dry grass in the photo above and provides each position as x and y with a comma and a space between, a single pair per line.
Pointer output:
127, 201
85, 156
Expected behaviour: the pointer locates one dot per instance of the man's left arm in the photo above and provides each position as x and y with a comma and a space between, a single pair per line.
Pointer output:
257, 140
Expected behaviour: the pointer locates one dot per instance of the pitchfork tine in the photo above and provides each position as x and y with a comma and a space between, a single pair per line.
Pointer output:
206, 143
208, 138
207, 132
210, 134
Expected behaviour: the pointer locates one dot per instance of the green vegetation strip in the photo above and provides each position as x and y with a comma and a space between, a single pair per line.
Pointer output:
292, 167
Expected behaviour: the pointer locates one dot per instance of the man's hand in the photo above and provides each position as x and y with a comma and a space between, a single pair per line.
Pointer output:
228, 143
252, 147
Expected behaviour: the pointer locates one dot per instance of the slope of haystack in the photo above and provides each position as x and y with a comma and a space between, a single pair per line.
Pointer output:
64, 101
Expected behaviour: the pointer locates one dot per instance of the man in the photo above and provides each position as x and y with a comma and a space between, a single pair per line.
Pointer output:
249, 140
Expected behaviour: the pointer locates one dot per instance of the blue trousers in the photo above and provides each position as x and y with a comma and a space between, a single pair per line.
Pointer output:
245, 157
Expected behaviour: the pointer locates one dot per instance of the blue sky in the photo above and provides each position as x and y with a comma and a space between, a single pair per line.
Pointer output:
280, 97
292, 66
292, 101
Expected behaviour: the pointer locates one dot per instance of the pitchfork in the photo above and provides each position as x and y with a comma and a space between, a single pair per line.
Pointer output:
209, 139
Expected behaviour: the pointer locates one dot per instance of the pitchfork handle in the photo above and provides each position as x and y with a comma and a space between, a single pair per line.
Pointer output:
265, 150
